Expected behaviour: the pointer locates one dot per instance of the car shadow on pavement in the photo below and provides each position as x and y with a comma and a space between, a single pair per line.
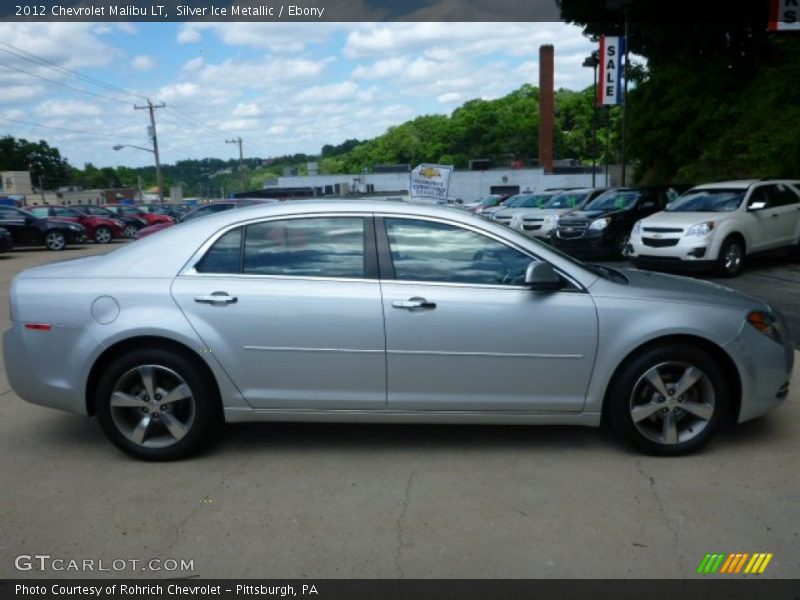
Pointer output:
63, 431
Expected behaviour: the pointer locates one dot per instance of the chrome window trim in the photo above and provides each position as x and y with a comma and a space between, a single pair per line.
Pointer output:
189, 267
483, 232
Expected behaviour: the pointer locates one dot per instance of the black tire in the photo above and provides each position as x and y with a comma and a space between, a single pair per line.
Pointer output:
103, 235
130, 231
55, 240
631, 393
620, 245
794, 252
200, 415
728, 265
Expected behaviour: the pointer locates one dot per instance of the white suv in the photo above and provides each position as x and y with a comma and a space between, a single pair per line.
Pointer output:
715, 226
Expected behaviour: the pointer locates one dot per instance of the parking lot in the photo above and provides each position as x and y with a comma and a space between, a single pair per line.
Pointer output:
320, 501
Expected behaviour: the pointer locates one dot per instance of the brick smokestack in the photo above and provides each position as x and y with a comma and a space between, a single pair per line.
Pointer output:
546, 107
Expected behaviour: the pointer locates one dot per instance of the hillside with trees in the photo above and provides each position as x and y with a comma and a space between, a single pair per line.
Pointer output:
720, 96
503, 130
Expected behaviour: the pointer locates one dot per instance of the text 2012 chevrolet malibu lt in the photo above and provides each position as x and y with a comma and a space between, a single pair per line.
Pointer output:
383, 312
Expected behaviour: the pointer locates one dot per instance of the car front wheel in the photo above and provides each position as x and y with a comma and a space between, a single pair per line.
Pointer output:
157, 405
731, 258
102, 235
55, 240
130, 231
669, 401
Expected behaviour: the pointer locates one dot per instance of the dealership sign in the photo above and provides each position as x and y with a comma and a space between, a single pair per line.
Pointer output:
612, 51
784, 15
430, 182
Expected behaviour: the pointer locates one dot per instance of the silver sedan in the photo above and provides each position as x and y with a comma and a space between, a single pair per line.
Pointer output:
383, 312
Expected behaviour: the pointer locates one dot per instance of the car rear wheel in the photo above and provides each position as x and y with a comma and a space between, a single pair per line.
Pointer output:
157, 405
669, 401
731, 258
103, 235
130, 231
55, 240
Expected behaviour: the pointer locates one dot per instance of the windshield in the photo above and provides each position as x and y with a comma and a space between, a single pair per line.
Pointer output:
566, 200
491, 201
527, 201
708, 201
614, 200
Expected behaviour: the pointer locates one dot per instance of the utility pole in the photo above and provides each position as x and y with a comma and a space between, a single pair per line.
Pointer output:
238, 140
159, 180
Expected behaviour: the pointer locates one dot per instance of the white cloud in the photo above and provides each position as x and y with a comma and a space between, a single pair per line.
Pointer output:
247, 110
449, 97
67, 108
329, 93
143, 62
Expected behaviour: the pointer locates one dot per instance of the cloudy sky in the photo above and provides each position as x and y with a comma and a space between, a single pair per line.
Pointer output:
282, 87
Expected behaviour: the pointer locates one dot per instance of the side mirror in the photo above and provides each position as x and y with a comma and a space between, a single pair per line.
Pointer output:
540, 276
756, 205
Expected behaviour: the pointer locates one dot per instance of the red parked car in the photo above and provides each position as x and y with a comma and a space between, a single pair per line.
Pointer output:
100, 229
130, 210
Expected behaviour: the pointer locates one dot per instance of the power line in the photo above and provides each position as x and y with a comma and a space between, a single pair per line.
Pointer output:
79, 131
62, 84
48, 64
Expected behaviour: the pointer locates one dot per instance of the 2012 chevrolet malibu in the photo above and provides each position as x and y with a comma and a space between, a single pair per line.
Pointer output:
383, 312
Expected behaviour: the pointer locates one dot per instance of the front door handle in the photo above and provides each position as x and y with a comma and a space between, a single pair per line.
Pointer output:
216, 298
413, 303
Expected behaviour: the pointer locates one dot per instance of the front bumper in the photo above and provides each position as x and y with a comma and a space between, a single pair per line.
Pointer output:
592, 244
765, 368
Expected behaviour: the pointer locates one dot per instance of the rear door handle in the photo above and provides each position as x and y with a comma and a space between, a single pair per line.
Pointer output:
413, 303
216, 298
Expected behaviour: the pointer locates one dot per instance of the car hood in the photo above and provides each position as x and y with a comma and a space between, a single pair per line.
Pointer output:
588, 215
63, 223
682, 219
510, 212
646, 285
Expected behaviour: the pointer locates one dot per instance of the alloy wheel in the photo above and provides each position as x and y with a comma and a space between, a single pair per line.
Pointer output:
129, 231
672, 403
102, 235
732, 259
55, 240
152, 406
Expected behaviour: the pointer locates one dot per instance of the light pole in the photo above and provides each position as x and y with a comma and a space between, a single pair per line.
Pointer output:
158, 167
592, 61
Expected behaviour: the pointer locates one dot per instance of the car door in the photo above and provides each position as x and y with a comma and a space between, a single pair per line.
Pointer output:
764, 225
786, 208
463, 333
18, 224
291, 308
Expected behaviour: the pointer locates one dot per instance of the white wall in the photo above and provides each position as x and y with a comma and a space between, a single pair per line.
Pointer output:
467, 185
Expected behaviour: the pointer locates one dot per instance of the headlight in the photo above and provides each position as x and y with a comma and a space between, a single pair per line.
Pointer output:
767, 324
637, 228
119, 224
600, 224
701, 229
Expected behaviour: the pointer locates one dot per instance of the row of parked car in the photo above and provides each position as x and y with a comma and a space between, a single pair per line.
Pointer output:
55, 227
708, 227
